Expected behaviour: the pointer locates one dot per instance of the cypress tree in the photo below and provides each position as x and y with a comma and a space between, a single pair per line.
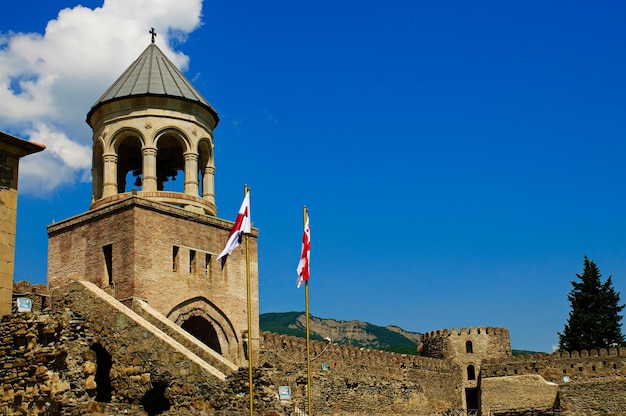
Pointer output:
594, 320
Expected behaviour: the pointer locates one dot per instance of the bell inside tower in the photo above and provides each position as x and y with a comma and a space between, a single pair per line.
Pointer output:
170, 164
129, 167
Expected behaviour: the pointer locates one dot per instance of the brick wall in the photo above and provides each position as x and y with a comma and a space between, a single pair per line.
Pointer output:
142, 236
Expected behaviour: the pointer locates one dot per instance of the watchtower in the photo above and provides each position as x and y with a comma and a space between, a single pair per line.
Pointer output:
143, 237
467, 348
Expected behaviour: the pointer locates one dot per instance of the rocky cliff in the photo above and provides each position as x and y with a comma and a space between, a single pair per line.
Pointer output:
355, 333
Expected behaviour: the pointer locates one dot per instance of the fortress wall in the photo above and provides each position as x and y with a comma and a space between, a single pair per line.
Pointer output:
358, 381
344, 356
590, 382
45, 352
596, 396
362, 381
553, 367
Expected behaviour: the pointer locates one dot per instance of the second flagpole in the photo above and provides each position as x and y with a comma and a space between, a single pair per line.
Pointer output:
245, 192
308, 340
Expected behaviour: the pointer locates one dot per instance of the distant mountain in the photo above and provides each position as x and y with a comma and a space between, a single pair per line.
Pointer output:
355, 333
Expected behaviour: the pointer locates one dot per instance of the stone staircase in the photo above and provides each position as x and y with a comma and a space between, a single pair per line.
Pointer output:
208, 360
190, 342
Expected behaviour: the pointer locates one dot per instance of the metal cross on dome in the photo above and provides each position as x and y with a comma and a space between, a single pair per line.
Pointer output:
153, 33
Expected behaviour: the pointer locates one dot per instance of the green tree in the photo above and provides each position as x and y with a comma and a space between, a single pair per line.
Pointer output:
594, 320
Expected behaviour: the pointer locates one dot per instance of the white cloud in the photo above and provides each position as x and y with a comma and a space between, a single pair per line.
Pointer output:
49, 82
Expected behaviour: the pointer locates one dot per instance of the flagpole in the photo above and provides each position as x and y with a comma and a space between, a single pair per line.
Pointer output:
245, 192
308, 340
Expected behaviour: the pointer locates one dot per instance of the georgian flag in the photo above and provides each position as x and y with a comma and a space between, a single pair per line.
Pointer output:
305, 256
242, 225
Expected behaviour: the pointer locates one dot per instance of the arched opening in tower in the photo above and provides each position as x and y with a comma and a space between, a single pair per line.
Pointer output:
203, 330
170, 164
129, 165
471, 372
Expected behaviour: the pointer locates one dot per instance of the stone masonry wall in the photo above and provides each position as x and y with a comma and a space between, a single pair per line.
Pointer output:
510, 394
51, 363
82, 330
487, 343
360, 381
590, 382
467, 347
35, 367
80, 356
594, 397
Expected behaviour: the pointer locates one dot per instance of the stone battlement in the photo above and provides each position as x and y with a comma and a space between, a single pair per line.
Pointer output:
295, 348
473, 330
565, 355
467, 345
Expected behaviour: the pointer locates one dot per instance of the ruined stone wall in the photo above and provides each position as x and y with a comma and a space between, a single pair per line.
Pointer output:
34, 367
52, 363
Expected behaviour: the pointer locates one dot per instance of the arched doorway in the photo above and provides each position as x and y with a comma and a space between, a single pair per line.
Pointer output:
204, 331
209, 325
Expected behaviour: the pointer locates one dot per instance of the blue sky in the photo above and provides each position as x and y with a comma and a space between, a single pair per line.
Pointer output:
458, 158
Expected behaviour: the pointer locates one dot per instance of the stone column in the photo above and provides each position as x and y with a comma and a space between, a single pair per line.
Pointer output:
191, 173
149, 169
109, 186
208, 185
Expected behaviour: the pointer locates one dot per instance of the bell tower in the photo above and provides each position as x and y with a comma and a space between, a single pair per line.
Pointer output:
151, 231
151, 127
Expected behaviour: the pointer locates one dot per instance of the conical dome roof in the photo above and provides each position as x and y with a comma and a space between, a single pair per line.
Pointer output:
152, 73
